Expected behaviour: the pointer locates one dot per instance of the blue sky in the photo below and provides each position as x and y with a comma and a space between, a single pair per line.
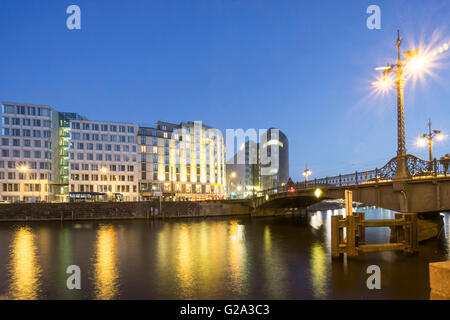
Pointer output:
303, 66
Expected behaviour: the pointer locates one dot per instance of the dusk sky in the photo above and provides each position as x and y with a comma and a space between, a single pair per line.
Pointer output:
304, 67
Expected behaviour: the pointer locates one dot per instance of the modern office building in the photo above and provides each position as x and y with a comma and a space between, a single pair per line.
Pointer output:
47, 155
243, 171
259, 165
183, 161
274, 158
103, 158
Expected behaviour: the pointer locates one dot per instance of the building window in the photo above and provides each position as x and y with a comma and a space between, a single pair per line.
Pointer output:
8, 109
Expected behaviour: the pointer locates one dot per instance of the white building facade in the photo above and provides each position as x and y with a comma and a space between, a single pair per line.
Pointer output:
26, 152
47, 155
103, 158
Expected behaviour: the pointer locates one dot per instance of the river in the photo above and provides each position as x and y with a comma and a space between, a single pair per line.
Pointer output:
213, 258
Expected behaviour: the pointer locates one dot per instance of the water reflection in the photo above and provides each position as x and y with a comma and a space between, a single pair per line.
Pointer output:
267, 241
445, 236
184, 261
24, 268
106, 270
223, 258
237, 256
316, 220
319, 270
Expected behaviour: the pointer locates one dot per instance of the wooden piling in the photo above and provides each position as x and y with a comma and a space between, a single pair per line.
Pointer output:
404, 231
334, 236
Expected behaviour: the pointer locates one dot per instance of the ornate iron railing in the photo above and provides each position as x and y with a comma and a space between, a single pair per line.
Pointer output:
418, 168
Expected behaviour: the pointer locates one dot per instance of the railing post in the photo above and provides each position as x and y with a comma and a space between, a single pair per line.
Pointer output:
435, 167
376, 175
340, 180
356, 177
326, 181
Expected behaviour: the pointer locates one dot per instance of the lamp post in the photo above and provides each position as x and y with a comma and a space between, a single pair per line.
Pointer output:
306, 174
429, 137
397, 69
23, 168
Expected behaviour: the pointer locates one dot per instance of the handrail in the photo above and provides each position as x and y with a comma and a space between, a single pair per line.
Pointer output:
417, 168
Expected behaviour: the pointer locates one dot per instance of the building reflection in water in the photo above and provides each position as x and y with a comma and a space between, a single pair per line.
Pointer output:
207, 257
237, 258
106, 269
316, 220
24, 268
184, 261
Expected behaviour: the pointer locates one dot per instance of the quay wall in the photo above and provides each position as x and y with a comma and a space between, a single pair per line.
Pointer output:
118, 210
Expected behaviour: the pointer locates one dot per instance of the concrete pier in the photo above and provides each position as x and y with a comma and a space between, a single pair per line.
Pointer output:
440, 280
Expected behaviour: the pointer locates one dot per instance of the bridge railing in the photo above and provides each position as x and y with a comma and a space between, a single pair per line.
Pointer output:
418, 168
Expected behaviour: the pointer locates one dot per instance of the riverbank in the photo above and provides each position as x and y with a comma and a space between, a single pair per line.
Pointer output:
118, 210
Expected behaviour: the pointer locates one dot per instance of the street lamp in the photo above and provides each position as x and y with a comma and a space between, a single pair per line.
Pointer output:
306, 174
23, 168
427, 138
104, 170
418, 63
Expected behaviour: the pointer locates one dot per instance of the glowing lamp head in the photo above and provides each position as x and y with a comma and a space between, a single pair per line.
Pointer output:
104, 170
383, 84
23, 168
291, 190
318, 193
418, 64
421, 141
233, 175
440, 137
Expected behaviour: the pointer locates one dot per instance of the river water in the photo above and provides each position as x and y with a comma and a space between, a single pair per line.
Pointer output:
214, 258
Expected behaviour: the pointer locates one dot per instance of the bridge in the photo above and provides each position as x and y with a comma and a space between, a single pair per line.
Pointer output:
426, 189
406, 184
